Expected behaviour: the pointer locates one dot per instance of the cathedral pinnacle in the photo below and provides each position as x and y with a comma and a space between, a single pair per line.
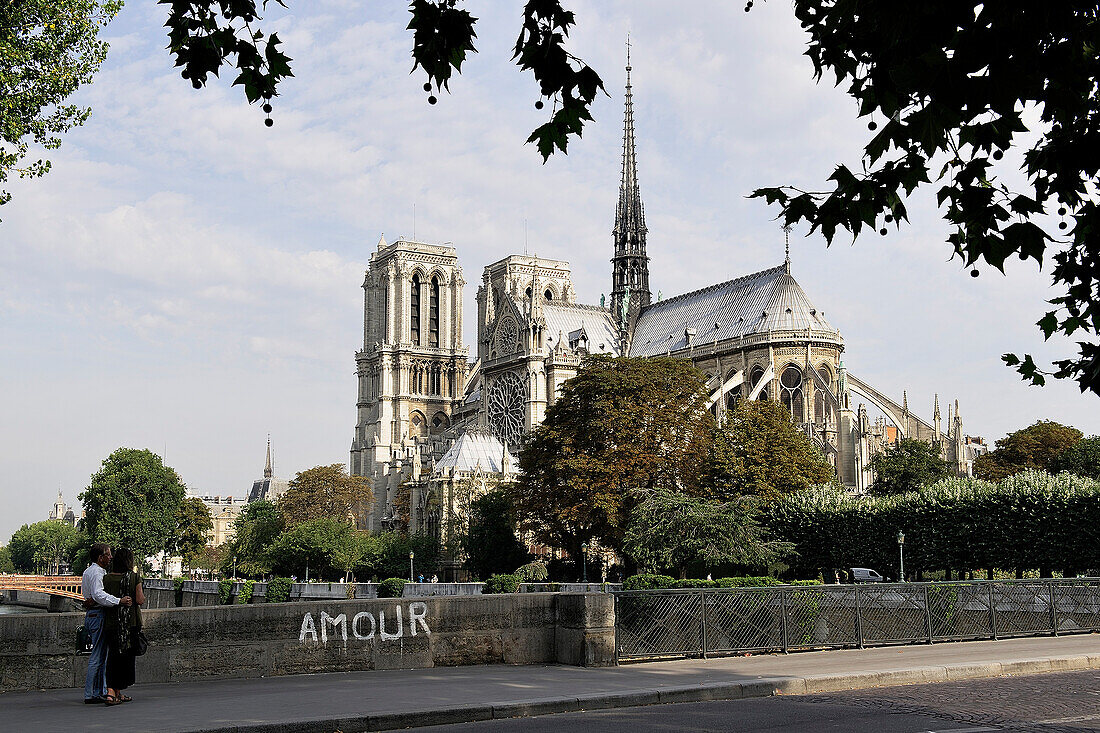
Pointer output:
268, 469
630, 265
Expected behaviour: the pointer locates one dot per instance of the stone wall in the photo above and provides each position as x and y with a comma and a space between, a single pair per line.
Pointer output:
37, 650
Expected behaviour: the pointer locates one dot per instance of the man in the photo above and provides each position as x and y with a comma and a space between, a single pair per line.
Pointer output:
97, 601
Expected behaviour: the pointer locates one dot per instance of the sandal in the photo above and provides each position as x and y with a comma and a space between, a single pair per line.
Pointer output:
125, 698
111, 700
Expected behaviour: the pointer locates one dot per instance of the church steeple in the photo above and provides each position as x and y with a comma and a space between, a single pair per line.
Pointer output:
268, 469
630, 265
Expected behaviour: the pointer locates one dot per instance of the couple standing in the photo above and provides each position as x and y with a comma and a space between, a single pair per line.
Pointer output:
113, 602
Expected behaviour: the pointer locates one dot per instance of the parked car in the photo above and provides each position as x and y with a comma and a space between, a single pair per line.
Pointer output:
865, 575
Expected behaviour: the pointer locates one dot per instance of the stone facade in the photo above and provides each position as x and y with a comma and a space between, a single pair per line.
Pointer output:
412, 367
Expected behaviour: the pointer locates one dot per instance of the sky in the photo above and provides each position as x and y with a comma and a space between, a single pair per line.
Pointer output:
189, 281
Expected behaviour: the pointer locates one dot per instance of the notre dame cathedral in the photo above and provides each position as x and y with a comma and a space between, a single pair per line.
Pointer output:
430, 419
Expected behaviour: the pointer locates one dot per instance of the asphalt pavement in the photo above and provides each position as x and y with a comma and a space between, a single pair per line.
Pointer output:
386, 700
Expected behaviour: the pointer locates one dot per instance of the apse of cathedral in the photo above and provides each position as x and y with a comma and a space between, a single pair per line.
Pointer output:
432, 423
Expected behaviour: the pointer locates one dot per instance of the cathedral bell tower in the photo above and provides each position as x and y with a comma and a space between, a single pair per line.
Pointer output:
630, 265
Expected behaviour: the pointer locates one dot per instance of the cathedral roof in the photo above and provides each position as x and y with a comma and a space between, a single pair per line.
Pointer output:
597, 323
761, 303
473, 449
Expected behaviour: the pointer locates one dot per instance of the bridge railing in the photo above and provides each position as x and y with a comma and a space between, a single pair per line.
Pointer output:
58, 585
702, 622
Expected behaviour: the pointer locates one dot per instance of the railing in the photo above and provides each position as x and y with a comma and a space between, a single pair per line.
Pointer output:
662, 623
57, 585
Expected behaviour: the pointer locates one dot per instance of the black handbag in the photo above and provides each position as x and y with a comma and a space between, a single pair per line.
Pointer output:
140, 644
84, 643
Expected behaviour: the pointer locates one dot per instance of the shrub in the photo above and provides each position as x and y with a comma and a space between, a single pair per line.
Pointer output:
177, 591
225, 590
501, 584
278, 590
648, 582
391, 587
805, 582
749, 581
245, 596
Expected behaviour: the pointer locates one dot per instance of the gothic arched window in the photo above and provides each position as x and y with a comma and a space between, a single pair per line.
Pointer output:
433, 314
790, 383
414, 309
732, 398
756, 375
820, 405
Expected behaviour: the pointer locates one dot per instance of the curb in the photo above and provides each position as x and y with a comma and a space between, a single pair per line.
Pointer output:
760, 687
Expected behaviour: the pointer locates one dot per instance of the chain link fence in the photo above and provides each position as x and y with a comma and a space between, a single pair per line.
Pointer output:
702, 622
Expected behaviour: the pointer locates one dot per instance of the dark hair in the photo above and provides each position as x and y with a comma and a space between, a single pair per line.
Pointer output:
99, 549
123, 562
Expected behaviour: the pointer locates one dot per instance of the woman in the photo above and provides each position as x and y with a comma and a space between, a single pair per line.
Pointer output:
122, 625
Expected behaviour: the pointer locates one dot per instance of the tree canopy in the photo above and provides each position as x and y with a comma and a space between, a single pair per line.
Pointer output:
619, 425
490, 540
326, 491
669, 530
1082, 459
254, 530
133, 501
48, 49
758, 452
1038, 446
41, 547
956, 86
193, 526
907, 466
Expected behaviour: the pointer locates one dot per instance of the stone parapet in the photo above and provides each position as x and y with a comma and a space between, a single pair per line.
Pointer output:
267, 639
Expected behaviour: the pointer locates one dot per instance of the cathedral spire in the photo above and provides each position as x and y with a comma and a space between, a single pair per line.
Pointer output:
630, 265
268, 470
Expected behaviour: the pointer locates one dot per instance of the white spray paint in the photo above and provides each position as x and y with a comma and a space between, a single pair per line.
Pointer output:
364, 627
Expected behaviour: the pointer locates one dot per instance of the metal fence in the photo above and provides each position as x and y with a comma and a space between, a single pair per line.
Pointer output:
702, 622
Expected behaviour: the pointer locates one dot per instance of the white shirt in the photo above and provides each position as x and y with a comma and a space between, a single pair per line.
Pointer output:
91, 586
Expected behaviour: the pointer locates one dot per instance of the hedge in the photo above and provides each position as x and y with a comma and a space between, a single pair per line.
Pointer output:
1032, 520
225, 590
245, 596
663, 582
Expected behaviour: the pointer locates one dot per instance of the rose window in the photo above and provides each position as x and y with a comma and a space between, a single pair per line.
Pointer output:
506, 337
506, 403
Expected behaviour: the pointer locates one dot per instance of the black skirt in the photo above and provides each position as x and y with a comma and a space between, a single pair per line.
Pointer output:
120, 665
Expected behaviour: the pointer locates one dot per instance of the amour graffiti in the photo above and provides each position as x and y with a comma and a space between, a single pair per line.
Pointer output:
386, 626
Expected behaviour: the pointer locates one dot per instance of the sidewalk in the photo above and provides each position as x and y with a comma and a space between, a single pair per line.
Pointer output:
386, 700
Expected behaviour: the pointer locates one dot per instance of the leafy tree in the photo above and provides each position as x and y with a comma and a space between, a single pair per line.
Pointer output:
6, 565
758, 452
619, 425
1082, 459
322, 545
254, 531
193, 527
133, 501
48, 48
907, 466
1038, 446
490, 542
671, 530
326, 491
952, 85
210, 558
42, 546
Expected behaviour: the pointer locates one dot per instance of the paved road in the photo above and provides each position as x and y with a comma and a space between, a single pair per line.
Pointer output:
1047, 703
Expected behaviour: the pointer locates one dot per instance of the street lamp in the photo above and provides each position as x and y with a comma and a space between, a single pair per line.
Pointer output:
411, 556
901, 556
584, 561
234, 567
